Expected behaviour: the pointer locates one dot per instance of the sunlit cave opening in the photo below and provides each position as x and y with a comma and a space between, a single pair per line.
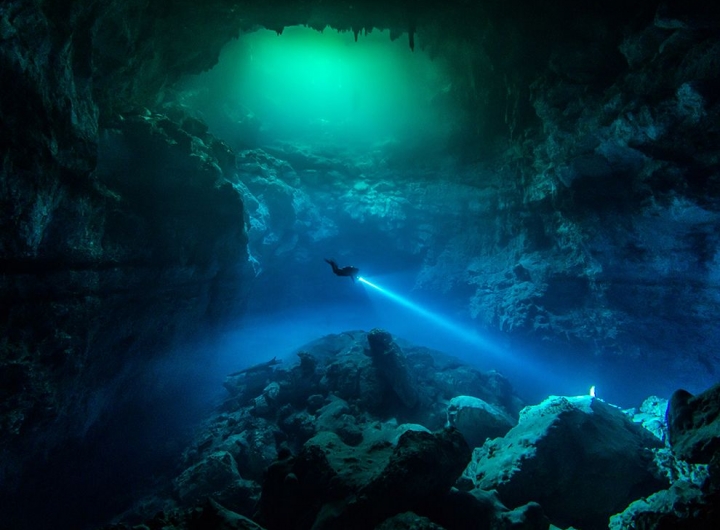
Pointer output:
327, 90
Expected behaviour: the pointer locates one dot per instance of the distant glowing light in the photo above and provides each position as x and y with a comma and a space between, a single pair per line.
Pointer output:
592, 391
331, 85
465, 334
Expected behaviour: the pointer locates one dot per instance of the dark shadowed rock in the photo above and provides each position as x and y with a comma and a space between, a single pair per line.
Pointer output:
460, 510
408, 521
210, 516
217, 477
330, 485
694, 425
422, 468
391, 365
684, 506
216, 517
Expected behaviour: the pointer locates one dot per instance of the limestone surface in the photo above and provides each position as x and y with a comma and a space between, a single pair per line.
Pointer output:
477, 420
580, 458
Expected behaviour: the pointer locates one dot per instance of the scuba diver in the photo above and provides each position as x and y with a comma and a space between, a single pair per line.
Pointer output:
352, 272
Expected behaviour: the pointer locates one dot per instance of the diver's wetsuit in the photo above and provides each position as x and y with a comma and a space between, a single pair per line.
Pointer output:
351, 272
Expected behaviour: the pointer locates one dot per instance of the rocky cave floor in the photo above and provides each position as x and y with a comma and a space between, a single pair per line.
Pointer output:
366, 431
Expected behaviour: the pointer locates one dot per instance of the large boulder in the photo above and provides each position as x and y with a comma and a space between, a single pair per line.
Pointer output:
331, 485
408, 521
337, 417
389, 360
462, 510
216, 476
682, 506
216, 517
580, 458
422, 468
694, 425
477, 420
652, 416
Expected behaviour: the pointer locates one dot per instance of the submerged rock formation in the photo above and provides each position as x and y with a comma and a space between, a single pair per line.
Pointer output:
331, 486
694, 425
581, 459
391, 366
692, 463
477, 420
311, 459
321, 443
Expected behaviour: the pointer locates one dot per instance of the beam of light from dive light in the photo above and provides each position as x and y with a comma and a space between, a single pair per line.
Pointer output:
464, 334
535, 371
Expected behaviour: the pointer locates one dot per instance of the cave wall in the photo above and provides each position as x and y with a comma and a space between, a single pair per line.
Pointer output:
119, 236
619, 182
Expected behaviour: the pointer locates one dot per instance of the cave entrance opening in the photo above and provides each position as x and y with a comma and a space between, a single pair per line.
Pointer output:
327, 90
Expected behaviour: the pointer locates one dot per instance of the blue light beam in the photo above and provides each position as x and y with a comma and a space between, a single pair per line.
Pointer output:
469, 336
544, 378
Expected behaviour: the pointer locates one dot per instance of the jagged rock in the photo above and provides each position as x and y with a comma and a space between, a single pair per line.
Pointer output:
391, 365
253, 448
408, 521
682, 506
299, 427
216, 517
266, 404
421, 469
652, 416
331, 485
293, 490
156, 217
483, 509
351, 376
577, 448
694, 425
442, 377
477, 420
336, 417
216, 476
348, 373
315, 402
211, 516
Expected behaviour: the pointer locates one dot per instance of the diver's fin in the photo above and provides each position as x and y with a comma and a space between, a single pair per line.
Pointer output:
333, 265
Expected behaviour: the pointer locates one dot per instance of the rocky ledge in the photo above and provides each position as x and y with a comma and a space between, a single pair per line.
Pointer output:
365, 431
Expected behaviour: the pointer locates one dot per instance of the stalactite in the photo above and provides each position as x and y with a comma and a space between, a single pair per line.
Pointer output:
412, 26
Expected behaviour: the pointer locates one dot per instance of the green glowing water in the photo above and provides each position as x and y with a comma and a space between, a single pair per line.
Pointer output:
311, 87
